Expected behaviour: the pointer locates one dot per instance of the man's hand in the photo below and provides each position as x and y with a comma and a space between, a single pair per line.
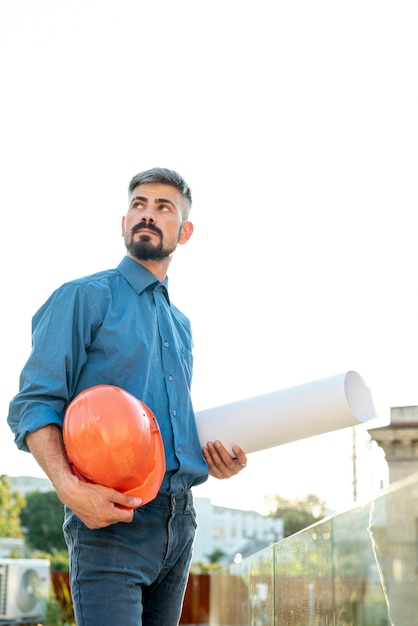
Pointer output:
221, 463
95, 505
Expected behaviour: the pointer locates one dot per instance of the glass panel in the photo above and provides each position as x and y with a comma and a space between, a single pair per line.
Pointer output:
358, 568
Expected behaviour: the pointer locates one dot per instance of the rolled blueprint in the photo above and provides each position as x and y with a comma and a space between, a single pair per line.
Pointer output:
288, 415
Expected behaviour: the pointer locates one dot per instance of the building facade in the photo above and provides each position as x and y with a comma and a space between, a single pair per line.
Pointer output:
234, 532
399, 441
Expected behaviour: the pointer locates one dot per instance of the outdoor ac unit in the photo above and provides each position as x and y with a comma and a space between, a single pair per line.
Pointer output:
24, 587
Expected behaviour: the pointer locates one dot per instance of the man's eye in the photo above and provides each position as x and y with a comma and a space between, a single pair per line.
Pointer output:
164, 207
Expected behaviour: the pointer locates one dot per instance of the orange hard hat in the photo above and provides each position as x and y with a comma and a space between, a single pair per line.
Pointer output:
113, 439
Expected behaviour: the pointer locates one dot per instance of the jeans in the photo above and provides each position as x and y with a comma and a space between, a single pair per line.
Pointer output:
133, 574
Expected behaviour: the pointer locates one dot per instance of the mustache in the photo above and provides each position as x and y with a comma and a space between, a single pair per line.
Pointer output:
148, 226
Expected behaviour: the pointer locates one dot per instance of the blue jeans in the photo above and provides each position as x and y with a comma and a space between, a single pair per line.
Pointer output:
133, 574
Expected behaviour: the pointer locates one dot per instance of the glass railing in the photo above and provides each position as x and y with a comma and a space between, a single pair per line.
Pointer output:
357, 568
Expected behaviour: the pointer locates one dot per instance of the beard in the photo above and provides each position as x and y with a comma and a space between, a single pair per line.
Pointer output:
144, 250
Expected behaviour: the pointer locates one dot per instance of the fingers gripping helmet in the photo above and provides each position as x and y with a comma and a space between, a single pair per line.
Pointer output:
113, 439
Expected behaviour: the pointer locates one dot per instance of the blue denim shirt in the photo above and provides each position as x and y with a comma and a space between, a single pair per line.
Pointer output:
115, 327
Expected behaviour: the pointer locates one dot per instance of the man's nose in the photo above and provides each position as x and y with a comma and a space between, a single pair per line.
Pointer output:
148, 217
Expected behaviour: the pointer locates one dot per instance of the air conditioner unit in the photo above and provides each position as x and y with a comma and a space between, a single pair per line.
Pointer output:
24, 588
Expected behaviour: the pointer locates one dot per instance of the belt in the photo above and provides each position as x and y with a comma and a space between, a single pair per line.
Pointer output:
174, 500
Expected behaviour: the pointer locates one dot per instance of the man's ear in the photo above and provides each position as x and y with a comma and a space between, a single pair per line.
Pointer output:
186, 232
123, 226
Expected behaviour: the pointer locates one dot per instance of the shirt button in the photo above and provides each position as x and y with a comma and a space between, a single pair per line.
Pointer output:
171, 378
166, 343
174, 412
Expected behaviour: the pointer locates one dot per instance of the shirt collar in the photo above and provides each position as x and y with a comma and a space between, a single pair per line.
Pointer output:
140, 278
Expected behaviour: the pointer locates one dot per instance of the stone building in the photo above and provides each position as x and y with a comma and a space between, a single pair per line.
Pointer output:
399, 441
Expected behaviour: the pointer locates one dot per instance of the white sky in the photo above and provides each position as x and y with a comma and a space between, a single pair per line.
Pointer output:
295, 124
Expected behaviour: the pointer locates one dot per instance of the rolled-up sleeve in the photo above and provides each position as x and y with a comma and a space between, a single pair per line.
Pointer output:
61, 334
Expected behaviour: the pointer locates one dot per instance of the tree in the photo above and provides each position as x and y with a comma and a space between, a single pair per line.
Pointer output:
11, 504
215, 556
297, 514
42, 519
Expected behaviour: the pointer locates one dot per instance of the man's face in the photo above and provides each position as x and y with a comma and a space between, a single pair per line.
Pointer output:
153, 225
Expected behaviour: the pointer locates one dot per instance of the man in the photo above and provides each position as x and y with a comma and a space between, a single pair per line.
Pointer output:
129, 563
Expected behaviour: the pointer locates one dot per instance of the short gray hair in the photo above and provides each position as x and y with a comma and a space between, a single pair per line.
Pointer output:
167, 177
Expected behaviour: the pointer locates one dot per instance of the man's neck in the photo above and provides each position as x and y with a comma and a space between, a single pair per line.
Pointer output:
158, 267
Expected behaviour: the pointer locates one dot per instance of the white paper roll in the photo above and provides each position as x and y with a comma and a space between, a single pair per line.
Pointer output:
288, 415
